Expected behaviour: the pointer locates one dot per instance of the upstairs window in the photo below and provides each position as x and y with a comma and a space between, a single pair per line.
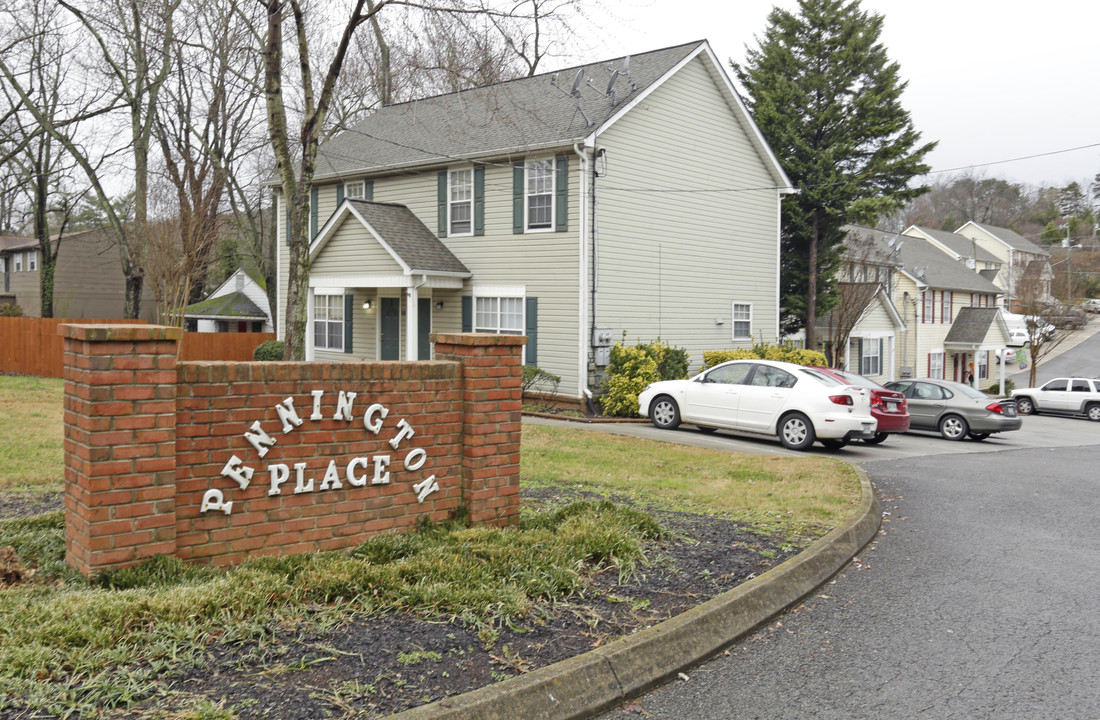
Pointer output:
18, 262
540, 195
355, 190
460, 202
929, 312
32, 259
742, 321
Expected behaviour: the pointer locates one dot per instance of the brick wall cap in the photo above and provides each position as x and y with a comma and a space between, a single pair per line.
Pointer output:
477, 339
123, 333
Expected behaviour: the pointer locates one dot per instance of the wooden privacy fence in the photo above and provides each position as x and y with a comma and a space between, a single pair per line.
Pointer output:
32, 346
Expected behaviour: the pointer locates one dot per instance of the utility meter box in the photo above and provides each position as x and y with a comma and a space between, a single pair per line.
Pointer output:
602, 337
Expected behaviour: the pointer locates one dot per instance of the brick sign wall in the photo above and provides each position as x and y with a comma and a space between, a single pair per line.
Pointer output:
218, 462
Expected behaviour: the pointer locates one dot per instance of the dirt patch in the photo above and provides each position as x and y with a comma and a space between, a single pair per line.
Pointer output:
12, 571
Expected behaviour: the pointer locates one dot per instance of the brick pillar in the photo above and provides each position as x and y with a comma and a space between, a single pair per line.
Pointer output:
120, 444
492, 398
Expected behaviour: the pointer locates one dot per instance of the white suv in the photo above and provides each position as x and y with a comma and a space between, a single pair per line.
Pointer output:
1065, 396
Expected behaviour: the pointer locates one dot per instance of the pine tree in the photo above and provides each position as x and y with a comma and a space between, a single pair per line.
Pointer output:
828, 100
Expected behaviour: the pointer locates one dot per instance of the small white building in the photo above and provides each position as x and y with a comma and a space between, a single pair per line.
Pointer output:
238, 305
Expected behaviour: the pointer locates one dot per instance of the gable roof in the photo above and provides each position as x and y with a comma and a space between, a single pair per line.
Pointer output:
407, 240
235, 305
17, 243
937, 269
972, 325
520, 116
957, 244
1009, 237
880, 248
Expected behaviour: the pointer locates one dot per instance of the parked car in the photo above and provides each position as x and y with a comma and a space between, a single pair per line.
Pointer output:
888, 407
797, 403
1092, 305
955, 410
1069, 318
1065, 396
1018, 338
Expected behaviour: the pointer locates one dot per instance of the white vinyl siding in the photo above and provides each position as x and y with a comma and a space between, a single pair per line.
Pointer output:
687, 224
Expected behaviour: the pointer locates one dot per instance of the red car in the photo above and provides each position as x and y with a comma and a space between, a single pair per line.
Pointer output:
887, 406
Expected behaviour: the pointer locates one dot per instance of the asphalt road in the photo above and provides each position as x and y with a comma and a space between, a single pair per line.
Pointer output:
979, 599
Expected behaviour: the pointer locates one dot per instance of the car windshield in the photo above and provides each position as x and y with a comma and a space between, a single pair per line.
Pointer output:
822, 378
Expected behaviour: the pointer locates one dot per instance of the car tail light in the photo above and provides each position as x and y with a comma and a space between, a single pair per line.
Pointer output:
876, 401
996, 407
842, 399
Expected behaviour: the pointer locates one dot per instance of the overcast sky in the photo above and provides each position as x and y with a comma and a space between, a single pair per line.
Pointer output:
992, 80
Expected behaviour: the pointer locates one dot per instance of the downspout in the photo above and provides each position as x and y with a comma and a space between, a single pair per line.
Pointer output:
584, 334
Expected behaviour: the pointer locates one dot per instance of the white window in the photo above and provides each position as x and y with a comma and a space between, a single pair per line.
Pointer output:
500, 315
32, 259
935, 365
355, 190
870, 362
460, 202
18, 262
742, 321
540, 195
983, 365
929, 313
328, 322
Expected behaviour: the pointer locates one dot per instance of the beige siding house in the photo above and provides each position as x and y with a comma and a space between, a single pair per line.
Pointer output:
1019, 258
631, 198
88, 278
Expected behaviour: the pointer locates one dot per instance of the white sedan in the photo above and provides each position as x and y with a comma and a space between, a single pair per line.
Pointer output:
798, 404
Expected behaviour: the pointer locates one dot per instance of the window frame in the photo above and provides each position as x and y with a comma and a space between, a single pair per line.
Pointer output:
936, 365
874, 344
735, 320
330, 300
18, 264
551, 168
497, 327
928, 309
361, 185
983, 365
452, 203
32, 260
946, 311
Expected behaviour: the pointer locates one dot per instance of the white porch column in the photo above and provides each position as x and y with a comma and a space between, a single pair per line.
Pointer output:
412, 335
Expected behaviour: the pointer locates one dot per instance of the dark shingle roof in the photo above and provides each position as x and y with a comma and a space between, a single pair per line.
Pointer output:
939, 270
233, 305
517, 115
410, 239
1013, 239
961, 246
971, 325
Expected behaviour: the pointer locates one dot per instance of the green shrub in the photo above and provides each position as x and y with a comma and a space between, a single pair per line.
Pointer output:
10, 310
787, 352
631, 369
995, 388
537, 380
269, 351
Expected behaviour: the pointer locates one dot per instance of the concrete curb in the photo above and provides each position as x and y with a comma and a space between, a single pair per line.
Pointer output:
586, 684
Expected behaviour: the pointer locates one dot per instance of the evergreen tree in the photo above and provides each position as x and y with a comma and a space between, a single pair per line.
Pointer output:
828, 100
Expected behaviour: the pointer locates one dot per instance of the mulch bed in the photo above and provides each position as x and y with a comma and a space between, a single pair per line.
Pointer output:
376, 666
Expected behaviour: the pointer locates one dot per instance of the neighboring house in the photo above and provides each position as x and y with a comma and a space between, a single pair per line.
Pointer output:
627, 199
1021, 260
238, 305
963, 249
88, 278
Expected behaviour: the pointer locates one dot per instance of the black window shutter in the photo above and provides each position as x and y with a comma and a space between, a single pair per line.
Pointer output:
339, 194
441, 207
561, 202
467, 314
479, 200
312, 212
349, 314
368, 190
858, 350
532, 349
517, 198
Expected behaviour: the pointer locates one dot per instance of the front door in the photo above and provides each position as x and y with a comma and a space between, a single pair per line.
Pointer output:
424, 328
390, 328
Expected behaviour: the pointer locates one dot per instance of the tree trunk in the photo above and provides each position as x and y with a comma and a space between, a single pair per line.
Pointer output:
811, 285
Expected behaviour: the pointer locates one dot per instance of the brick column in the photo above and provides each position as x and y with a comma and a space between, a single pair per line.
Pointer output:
492, 397
120, 444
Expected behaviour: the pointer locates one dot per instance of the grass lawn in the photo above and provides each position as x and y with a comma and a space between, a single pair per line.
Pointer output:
68, 645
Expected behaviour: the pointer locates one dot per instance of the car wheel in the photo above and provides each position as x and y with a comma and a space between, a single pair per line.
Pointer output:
664, 413
834, 444
707, 430
1024, 406
796, 432
1093, 412
879, 437
978, 436
953, 427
